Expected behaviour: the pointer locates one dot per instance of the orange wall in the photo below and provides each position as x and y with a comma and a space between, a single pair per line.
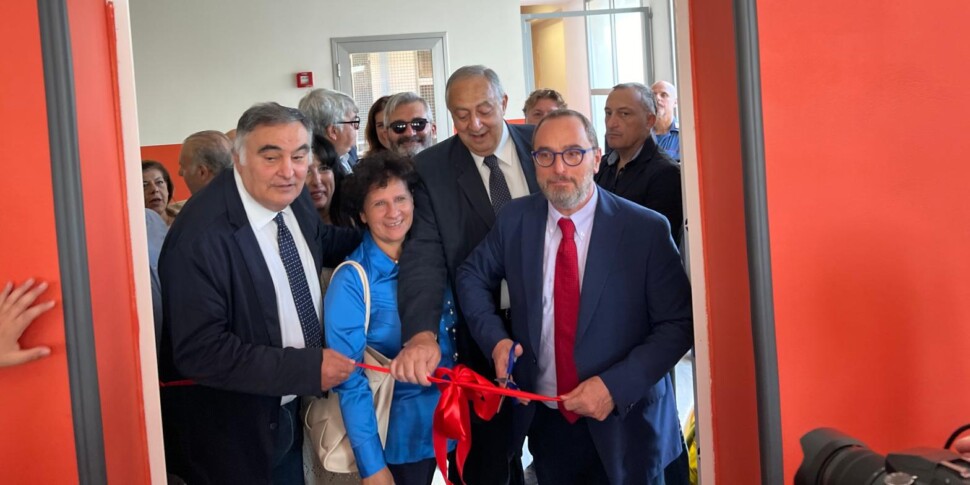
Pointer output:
865, 111
716, 114
35, 405
108, 241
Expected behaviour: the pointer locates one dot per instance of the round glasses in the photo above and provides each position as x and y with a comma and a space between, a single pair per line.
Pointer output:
570, 156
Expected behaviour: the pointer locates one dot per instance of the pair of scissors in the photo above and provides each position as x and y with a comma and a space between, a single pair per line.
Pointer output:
507, 380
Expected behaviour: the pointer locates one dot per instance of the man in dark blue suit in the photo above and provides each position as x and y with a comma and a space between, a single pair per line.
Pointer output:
600, 310
241, 295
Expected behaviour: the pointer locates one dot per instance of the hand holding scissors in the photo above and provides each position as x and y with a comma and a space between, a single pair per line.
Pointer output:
504, 354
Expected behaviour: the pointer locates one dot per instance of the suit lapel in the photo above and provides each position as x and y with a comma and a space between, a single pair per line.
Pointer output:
607, 229
253, 257
308, 218
470, 181
523, 148
533, 246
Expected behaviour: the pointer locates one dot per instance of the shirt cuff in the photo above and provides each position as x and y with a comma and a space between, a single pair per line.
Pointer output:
370, 457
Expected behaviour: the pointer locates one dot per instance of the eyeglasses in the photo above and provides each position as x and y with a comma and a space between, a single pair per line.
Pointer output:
355, 122
400, 126
570, 156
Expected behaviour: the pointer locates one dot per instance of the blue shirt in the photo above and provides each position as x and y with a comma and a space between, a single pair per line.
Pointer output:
670, 141
412, 408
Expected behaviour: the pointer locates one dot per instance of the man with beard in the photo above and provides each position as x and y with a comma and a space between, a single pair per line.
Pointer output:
408, 124
601, 311
637, 169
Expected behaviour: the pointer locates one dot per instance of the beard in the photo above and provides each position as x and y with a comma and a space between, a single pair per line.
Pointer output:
565, 198
417, 143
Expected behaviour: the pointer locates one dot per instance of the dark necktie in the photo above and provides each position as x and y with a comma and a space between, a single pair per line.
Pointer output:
497, 186
312, 333
565, 295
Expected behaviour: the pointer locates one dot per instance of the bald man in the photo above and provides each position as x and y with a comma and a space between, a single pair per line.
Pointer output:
203, 156
666, 129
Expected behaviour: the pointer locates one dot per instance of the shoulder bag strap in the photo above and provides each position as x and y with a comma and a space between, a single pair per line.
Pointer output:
366, 285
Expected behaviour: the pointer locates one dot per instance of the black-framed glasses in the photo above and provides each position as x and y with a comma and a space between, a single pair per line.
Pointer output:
570, 156
400, 126
355, 122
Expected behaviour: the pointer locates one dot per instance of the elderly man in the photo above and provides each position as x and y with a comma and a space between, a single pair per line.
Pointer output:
466, 180
637, 169
242, 308
203, 156
666, 130
601, 311
334, 117
408, 124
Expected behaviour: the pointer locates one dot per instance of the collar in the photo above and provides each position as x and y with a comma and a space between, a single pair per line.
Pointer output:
582, 219
503, 151
378, 261
258, 215
615, 155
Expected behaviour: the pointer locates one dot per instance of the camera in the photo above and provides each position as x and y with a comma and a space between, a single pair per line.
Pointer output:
833, 458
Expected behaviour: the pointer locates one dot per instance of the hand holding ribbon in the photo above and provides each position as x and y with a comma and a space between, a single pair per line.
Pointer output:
452, 417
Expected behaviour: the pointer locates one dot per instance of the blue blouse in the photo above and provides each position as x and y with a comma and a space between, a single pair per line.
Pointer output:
412, 407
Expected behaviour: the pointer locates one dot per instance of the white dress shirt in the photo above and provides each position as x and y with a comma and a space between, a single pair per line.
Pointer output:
261, 221
508, 161
583, 220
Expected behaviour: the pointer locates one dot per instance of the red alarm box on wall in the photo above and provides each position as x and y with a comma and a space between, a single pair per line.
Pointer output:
304, 79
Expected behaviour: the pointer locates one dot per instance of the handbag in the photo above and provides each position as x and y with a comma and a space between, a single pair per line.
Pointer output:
322, 417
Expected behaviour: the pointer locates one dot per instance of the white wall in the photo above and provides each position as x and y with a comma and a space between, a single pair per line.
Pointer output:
200, 63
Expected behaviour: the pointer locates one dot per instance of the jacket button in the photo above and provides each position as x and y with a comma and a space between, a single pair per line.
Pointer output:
272, 426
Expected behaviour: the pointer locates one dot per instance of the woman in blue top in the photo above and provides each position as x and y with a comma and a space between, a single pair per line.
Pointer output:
380, 192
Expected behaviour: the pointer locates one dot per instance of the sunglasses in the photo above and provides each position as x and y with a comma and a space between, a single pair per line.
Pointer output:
400, 126
355, 122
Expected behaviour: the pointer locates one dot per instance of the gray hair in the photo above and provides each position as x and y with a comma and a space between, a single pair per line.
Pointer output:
647, 98
267, 114
476, 71
326, 107
670, 87
569, 113
211, 149
401, 99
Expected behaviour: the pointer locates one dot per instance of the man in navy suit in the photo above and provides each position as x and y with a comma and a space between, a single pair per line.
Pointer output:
600, 310
241, 295
465, 180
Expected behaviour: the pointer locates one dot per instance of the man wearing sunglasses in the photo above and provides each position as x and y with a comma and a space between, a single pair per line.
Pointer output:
407, 121
601, 311
465, 181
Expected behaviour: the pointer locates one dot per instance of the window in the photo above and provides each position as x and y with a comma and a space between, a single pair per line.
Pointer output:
371, 67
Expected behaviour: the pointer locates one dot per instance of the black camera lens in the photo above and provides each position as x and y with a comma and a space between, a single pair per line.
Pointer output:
833, 458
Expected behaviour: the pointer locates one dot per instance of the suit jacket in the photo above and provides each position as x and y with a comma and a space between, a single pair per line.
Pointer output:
634, 322
221, 329
652, 179
452, 214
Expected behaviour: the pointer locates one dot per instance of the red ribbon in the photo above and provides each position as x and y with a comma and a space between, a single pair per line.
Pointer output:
452, 418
